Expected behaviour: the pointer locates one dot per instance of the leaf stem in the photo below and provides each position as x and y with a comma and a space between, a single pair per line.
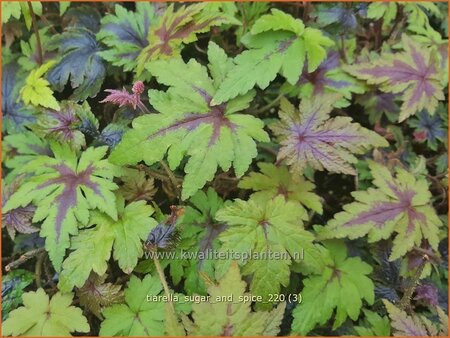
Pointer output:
143, 108
405, 302
22, 259
428, 253
268, 149
38, 269
342, 50
162, 278
172, 178
156, 174
40, 59
269, 105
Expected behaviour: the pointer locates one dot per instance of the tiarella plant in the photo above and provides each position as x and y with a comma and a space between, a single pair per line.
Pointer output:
224, 169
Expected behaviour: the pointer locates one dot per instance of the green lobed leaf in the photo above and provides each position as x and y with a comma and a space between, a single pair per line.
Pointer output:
122, 236
276, 180
188, 125
231, 317
137, 316
342, 286
36, 90
277, 43
41, 316
272, 230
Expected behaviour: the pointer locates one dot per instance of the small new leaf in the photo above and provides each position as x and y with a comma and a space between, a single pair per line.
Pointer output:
43, 317
309, 136
64, 124
36, 90
19, 219
96, 294
276, 180
137, 186
397, 204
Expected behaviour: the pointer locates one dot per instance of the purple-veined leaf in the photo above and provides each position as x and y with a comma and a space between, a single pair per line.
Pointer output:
65, 124
96, 294
188, 124
15, 115
403, 324
415, 73
137, 186
329, 77
398, 204
125, 33
428, 294
318, 77
19, 149
19, 219
341, 15
377, 103
428, 128
309, 136
64, 189
177, 27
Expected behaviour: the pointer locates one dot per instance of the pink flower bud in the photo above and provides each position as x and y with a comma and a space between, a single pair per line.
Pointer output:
138, 87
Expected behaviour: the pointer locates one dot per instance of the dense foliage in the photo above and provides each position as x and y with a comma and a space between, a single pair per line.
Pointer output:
223, 169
